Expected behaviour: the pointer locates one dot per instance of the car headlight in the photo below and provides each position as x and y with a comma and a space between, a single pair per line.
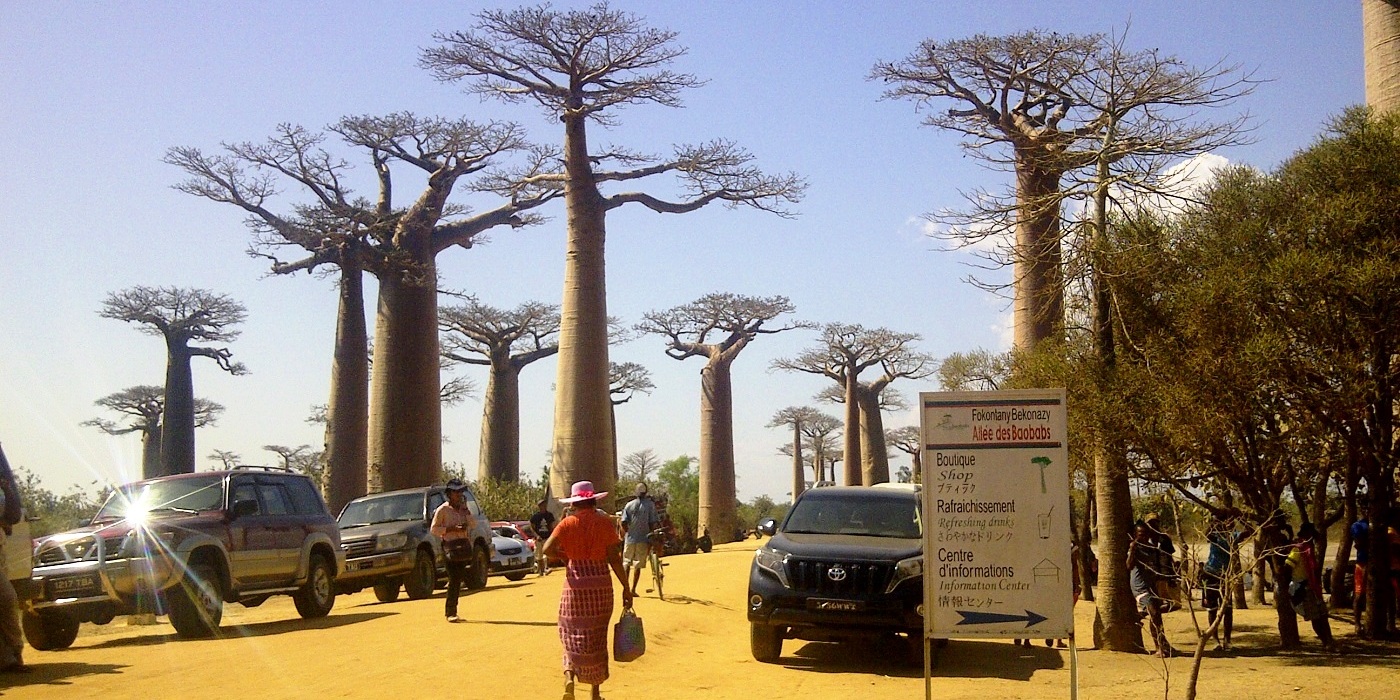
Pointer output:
772, 561
389, 543
913, 567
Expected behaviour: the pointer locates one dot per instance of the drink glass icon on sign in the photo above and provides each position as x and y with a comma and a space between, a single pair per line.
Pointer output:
1042, 522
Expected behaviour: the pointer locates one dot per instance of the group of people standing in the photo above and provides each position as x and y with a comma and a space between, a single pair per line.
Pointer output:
1154, 576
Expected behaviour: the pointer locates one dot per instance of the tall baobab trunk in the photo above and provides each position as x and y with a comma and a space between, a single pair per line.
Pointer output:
177, 423
500, 422
405, 447
583, 428
717, 494
798, 480
1038, 310
150, 449
347, 412
1380, 37
851, 444
875, 456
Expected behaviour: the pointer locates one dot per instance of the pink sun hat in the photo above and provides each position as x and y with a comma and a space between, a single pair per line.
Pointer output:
582, 491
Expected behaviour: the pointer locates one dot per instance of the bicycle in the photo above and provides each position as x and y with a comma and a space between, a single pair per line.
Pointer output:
654, 543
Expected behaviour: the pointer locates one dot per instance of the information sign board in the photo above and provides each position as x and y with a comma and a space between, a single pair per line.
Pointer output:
995, 468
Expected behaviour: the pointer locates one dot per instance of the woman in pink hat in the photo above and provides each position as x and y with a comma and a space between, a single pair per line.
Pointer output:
588, 540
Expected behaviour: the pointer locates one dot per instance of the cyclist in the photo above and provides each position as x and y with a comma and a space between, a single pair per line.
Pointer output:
639, 518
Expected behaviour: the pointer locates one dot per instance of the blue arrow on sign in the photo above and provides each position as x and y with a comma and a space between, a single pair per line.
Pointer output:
985, 618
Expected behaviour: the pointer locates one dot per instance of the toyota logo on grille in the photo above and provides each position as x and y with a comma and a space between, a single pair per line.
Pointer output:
836, 573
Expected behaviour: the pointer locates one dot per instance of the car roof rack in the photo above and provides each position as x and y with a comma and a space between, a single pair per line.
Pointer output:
261, 468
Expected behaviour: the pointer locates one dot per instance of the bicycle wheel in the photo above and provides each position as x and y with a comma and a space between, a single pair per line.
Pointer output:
657, 574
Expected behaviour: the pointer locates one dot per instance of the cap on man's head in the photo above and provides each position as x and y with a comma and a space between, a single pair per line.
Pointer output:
456, 485
1150, 518
641, 488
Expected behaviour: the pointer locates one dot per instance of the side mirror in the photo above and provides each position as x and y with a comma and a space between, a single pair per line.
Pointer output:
246, 506
768, 526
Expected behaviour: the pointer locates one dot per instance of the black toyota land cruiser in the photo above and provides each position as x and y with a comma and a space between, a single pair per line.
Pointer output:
847, 562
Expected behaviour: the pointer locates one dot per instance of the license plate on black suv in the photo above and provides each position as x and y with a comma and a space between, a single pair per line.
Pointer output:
835, 605
73, 586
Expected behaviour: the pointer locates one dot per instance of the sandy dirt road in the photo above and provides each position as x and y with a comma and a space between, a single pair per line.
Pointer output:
697, 646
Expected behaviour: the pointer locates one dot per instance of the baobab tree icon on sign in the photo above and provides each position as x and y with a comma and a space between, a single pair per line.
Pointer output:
1042, 462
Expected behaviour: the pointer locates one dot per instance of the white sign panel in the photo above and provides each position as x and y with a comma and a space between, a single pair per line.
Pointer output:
996, 514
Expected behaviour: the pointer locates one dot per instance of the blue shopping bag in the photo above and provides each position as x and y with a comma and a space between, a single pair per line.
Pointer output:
629, 642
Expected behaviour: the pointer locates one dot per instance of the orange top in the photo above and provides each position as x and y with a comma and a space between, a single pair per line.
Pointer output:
586, 535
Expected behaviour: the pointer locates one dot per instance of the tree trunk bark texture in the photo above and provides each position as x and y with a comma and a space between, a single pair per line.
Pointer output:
850, 453
405, 446
798, 480
1380, 37
500, 424
717, 494
177, 423
1115, 621
583, 430
875, 455
150, 450
1038, 308
347, 412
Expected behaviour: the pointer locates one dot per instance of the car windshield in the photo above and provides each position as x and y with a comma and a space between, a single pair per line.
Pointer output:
383, 509
867, 514
508, 532
133, 501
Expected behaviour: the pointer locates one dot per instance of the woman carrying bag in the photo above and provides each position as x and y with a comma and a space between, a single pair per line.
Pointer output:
588, 540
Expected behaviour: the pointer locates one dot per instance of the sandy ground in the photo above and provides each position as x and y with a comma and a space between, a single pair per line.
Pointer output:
697, 646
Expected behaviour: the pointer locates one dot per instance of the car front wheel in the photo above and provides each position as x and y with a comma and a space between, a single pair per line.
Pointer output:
197, 603
50, 629
387, 591
766, 642
423, 578
317, 597
476, 578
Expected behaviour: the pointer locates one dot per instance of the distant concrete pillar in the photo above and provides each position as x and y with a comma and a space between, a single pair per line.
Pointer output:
1380, 37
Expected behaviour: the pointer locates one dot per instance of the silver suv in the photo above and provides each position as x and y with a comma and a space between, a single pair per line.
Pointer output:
185, 545
387, 544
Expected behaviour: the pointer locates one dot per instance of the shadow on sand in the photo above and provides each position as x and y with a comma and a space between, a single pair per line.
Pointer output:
257, 629
57, 675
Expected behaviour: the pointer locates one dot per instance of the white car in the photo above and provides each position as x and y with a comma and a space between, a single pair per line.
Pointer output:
514, 557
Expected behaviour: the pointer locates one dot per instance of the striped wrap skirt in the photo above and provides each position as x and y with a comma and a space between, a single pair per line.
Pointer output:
585, 609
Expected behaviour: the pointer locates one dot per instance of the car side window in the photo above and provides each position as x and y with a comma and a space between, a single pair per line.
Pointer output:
435, 500
245, 491
304, 498
274, 499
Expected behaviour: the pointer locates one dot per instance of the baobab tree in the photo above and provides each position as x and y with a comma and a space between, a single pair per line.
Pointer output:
1380, 27
302, 459
842, 353
625, 380
180, 316
505, 341
908, 440
640, 466
795, 417
581, 66
718, 327
1010, 92
397, 403
1076, 117
144, 405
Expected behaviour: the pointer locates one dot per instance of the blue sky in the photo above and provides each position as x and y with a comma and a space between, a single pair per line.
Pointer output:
94, 94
